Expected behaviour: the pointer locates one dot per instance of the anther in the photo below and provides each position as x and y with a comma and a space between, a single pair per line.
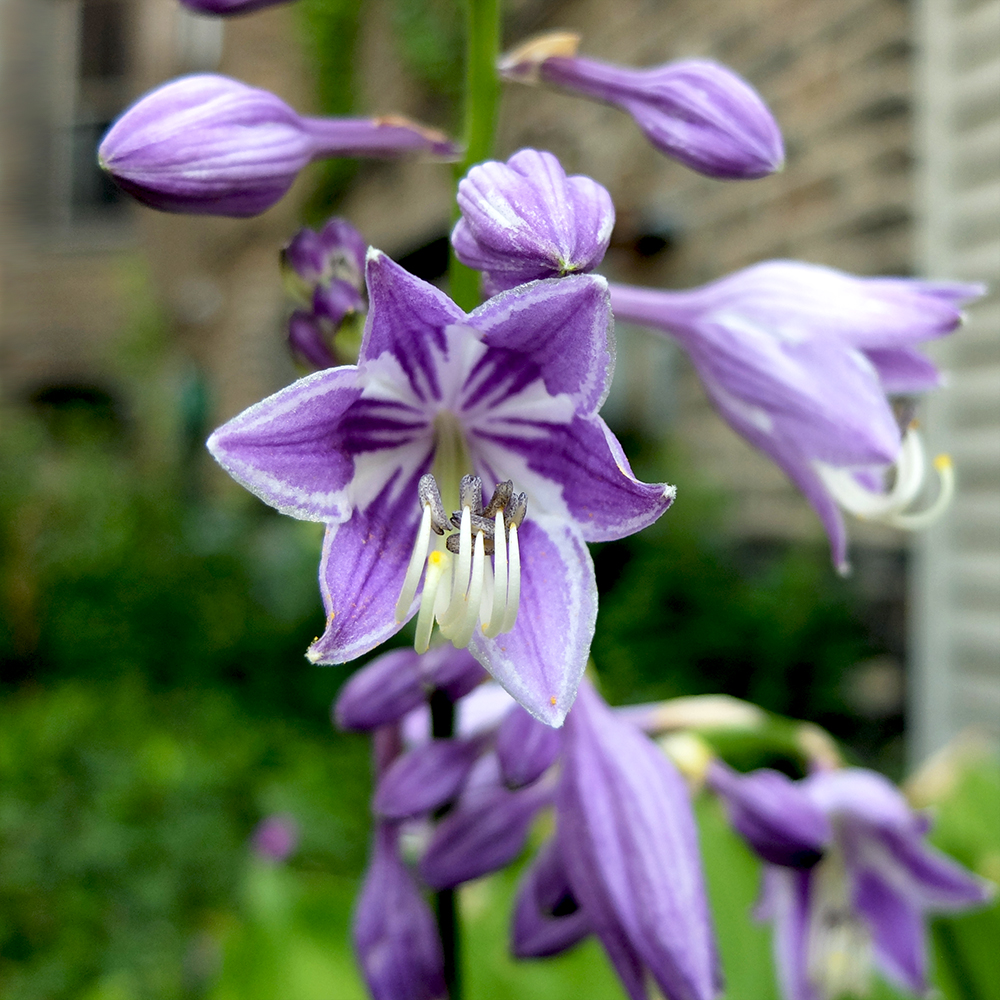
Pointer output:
430, 496
515, 511
501, 497
470, 493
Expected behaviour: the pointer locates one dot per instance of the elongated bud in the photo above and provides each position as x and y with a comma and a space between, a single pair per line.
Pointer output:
424, 778
395, 936
696, 111
526, 748
207, 144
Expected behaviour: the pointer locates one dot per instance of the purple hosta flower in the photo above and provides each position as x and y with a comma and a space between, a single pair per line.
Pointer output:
324, 274
525, 219
695, 111
275, 838
209, 144
799, 359
507, 394
855, 893
229, 8
629, 844
395, 935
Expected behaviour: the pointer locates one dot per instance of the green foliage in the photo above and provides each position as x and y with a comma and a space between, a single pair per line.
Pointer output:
124, 819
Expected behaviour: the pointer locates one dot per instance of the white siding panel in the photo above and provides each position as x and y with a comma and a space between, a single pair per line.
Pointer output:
955, 596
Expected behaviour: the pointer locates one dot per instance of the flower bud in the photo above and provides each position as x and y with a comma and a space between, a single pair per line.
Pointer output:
696, 111
425, 778
311, 259
395, 936
526, 748
525, 219
207, 144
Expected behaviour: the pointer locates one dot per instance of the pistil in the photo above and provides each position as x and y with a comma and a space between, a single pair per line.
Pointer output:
462, 587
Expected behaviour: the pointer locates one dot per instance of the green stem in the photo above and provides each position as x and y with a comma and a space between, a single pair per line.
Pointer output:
482, 90
445, 900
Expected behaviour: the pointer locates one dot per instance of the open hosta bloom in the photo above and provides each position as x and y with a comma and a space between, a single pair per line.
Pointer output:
849, 877
800, 360
696, 111
460, 467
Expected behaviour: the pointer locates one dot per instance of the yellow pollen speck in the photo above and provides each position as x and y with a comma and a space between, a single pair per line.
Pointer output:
552, 700
914, 425
942, 462
435, 558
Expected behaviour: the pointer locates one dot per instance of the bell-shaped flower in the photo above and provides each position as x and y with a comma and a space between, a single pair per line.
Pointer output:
229, 8
863, 903
395, 936
207, 144
507, 395
800, 359
396, 683
695, 111
628, 839
525, 219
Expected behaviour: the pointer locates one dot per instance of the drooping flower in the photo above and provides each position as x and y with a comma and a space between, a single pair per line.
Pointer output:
324, 274
507, 394
853, 882
628, 841
525, 219
207, 144
800, 359
695, 111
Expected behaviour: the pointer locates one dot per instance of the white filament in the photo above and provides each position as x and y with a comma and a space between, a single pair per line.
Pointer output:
462, 590
891, 506
416, 566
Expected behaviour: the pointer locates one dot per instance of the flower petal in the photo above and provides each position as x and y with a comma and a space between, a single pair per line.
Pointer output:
577, 470
361, 573
904, 370
287, 448
541, 660
562, 325
406, 318
785, 900
631, 849
897, 928
773, 814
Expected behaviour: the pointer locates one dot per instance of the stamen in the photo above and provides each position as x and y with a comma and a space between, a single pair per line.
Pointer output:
493, 625
513, 580
436, 564
890, 507
416, 565
461, 632
461, 586
946, 491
